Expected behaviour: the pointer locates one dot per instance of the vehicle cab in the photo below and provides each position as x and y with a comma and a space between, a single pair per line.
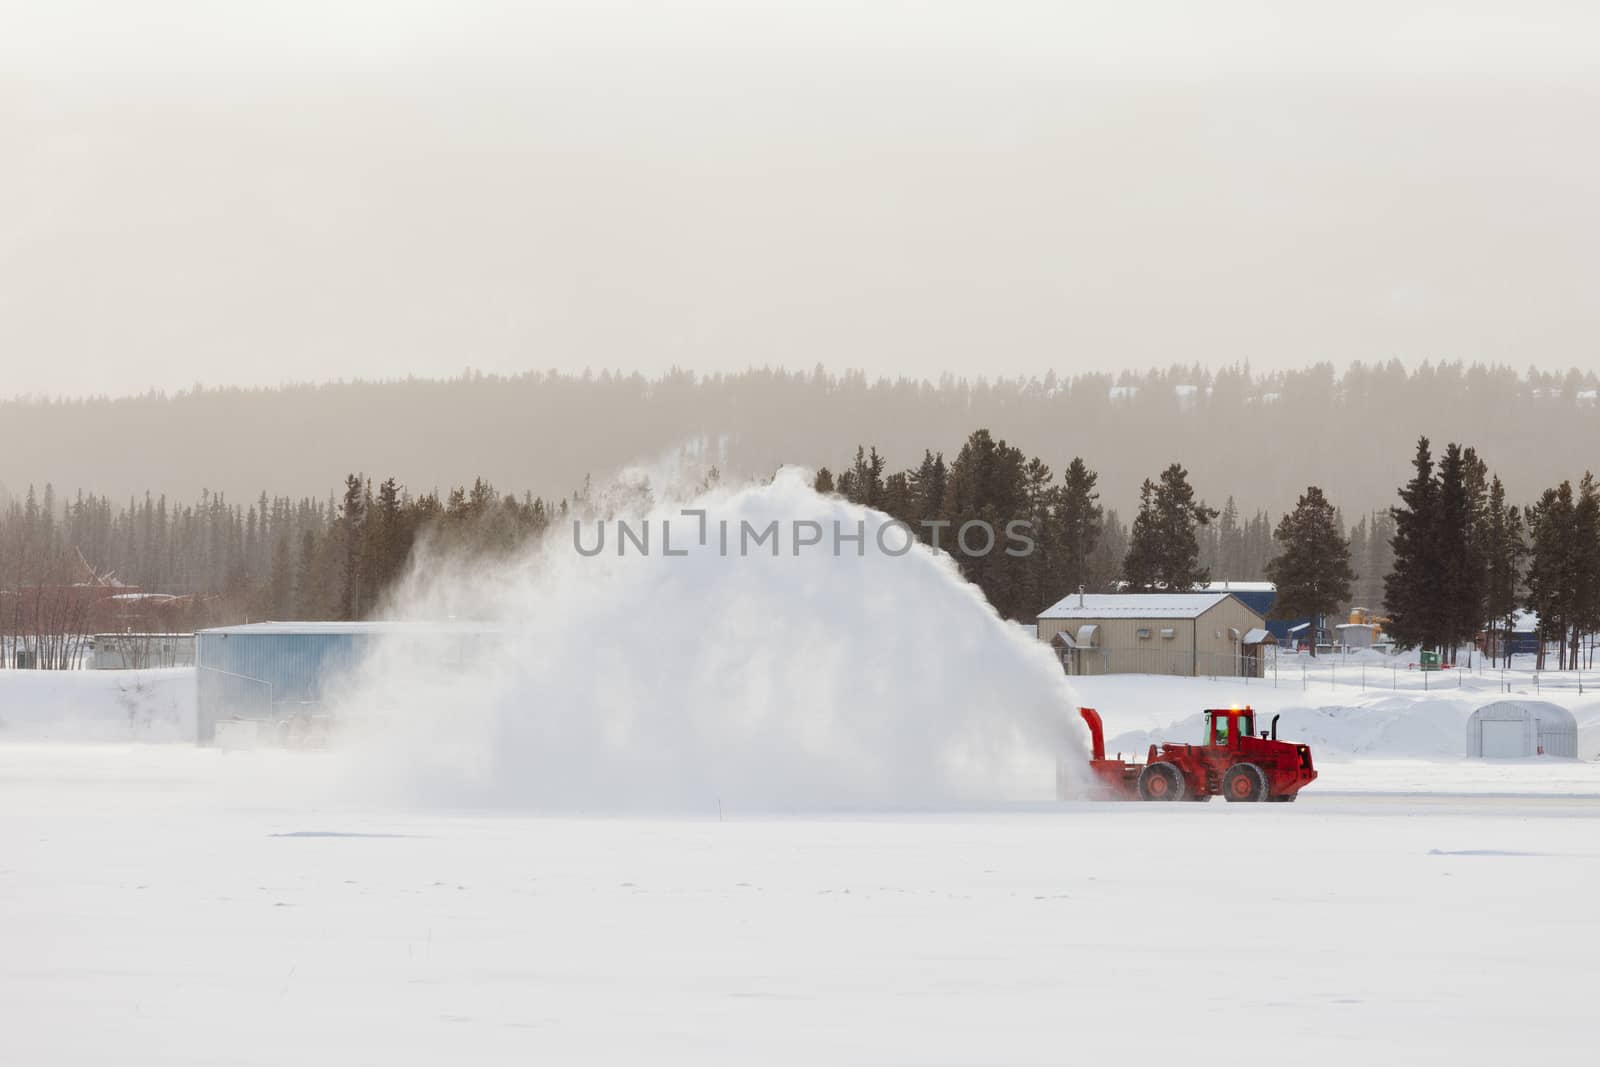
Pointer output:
1224, 727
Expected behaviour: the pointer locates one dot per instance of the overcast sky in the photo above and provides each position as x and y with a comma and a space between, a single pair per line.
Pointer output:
261, 192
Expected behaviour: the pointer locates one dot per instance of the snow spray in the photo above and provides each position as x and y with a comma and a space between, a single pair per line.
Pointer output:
702, 681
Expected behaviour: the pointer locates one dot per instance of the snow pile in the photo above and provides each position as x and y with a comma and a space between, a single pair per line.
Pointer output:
1402, 726
155, 705
804, 680
1588, 716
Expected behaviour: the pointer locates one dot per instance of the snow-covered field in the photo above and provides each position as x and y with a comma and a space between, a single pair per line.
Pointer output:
175, 905
864, 864
155, 705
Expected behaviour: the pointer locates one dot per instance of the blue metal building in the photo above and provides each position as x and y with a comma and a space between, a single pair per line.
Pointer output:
274, 671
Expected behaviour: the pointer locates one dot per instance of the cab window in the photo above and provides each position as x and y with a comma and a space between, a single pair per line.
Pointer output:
1222, 722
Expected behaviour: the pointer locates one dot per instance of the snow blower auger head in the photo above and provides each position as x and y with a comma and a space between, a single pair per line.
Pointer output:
1230, 760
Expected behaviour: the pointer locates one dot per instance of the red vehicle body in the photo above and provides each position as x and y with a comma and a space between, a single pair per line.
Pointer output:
1230, 760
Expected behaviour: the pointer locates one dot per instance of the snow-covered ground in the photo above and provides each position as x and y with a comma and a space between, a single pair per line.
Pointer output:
154, 705
176, 905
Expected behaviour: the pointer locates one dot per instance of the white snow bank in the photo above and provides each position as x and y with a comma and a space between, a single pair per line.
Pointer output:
1389, 726
156, 705
800, 680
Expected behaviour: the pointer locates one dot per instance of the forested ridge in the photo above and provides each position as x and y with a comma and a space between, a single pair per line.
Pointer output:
1259, 438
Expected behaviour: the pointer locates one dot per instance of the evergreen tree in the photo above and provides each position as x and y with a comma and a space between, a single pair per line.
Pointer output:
1412, 591
863, 482
1312, 569
1585, 568
987, 485
352, 518
1078, 524
896, 498
1105, 561
1230, 542
1141, 567
1550, 578
1502, 550
1164, 552
389, 540
824, 481
928, 483
281, 585
1460, 583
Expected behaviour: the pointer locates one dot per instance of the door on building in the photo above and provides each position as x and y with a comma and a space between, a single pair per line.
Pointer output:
1503, 740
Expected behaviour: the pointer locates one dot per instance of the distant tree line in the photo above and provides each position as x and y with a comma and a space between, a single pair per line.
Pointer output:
62, 567
1261, 436
1452, 560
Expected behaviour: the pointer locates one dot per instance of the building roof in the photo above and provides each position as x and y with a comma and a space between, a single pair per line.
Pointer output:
1133, 606
1514, 710
281, 629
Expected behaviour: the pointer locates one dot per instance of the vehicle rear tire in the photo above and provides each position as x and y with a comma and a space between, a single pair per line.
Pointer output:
1160, 781
1244, 782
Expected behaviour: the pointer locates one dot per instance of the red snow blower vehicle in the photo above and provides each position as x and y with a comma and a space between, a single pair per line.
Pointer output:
1230, 760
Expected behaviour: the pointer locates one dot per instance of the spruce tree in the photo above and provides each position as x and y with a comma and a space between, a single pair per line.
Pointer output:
1550, 577
1230, 542
1585, 568
1459, 586
1164, 552
1502, 548
1141, 567
1312, 569
1412, 587
987, 484
1078, 524
928, 484
823, 483
352, 517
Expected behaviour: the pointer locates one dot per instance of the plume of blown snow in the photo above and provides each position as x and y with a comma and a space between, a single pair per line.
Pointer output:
803, 680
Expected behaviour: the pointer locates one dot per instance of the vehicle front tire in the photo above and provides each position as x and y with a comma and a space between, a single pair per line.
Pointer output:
1160, 781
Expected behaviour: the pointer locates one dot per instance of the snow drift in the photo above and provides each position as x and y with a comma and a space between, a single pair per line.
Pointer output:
153, 705
803, 679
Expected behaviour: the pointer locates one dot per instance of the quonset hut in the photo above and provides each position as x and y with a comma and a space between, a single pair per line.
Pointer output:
275, 673
1509, 729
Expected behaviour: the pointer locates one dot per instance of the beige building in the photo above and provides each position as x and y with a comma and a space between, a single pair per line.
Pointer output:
1190, 634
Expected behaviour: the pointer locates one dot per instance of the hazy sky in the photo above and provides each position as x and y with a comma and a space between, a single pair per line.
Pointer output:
257, 192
